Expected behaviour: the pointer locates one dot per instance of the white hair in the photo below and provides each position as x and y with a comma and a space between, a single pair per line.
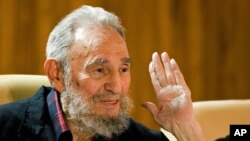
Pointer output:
62, 36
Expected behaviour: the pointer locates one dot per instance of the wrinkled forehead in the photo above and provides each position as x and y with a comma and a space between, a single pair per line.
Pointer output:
88, 36
91, 38
91, 35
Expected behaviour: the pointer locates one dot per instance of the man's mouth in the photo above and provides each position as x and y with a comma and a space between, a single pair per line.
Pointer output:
109, 102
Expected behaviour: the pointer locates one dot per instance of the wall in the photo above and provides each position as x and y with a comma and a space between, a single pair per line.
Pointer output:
208, 38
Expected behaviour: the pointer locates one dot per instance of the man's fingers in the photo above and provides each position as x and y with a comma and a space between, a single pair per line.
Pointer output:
159, 69
154, 78
168, 70
178, 75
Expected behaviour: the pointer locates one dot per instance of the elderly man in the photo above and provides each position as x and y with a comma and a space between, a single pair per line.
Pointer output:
88, 66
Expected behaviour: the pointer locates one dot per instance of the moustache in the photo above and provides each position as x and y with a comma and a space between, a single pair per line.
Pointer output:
108, 95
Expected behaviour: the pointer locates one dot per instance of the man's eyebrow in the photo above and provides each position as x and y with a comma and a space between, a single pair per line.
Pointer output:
98, 61
126, 60
101, 61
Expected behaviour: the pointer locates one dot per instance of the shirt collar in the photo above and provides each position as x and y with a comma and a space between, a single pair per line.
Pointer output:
56, 115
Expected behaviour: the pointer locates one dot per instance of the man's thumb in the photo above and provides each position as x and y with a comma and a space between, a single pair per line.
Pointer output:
152, 108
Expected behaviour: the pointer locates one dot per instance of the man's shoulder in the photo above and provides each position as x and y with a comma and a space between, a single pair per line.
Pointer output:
224, 138
11, 116
20, 116
17, 108
12, 111
139, 127
141, 132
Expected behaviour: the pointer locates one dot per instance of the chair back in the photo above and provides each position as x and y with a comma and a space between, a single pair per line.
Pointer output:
216, 116
14, 87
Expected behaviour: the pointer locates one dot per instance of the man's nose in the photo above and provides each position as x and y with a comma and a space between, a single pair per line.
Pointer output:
114, 83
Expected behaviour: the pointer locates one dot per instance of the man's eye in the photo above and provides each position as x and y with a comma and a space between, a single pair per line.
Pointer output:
98, 70
125, 69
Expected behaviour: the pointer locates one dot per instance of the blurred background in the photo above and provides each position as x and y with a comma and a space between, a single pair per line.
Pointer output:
209, 39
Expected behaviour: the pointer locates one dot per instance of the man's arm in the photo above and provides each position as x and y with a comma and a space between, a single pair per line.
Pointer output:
174, 111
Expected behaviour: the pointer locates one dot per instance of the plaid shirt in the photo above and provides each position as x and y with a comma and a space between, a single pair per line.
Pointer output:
56, 115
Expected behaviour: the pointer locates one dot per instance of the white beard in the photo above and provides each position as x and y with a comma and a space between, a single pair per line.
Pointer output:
81, 114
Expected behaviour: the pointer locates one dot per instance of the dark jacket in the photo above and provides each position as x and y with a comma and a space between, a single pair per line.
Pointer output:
223, 139
28, 120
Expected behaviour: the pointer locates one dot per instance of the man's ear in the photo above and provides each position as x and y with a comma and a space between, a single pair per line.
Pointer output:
55, 74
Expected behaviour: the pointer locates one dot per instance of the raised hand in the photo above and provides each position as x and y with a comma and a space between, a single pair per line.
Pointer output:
173, 111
